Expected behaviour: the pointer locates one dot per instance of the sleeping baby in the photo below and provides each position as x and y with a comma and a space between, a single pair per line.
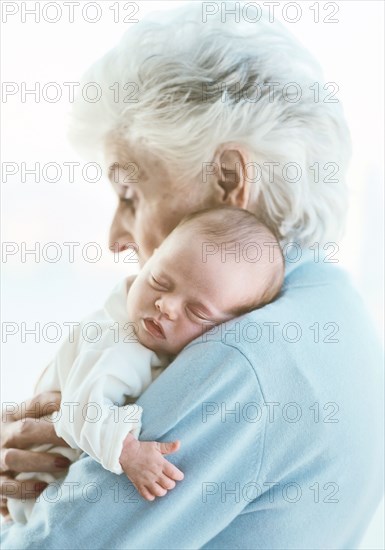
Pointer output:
215, 265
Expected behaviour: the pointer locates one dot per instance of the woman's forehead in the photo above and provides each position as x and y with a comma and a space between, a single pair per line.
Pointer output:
119, 149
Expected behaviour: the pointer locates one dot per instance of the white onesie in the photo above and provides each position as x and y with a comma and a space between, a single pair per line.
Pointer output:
97, 370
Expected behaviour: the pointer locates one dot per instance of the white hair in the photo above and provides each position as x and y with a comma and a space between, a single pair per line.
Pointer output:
197, 85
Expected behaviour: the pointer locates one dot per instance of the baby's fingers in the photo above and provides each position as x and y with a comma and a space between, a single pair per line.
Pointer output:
172, 471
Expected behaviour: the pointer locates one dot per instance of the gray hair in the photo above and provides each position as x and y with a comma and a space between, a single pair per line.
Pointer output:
197, 84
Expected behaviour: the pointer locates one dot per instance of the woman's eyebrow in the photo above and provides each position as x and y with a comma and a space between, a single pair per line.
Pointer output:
112, 166
115, 167
121, 189
111, 174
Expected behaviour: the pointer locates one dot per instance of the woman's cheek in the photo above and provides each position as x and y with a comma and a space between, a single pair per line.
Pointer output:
150, 235
140, 229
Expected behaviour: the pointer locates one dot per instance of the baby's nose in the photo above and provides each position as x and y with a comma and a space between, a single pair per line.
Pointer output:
167, 308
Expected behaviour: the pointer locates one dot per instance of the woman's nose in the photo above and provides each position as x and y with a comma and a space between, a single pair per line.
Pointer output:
167, 307
120, 239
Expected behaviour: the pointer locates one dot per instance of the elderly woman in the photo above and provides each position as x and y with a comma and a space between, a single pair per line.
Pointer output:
278, 411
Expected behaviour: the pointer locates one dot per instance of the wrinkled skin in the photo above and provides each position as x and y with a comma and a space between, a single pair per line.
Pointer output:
151, 202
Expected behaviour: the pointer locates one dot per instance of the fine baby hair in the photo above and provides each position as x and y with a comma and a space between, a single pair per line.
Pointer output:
238, 235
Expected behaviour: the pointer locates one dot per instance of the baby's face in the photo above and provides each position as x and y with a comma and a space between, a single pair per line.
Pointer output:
177, 296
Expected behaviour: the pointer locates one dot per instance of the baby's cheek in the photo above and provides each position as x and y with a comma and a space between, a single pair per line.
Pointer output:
196, 331
132, 309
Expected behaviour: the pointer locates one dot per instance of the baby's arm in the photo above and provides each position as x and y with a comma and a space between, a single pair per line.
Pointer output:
92, 417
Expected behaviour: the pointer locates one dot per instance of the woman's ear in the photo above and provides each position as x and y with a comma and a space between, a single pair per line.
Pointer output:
231, 175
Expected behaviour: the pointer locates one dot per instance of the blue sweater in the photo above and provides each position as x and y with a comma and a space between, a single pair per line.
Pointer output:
280, 418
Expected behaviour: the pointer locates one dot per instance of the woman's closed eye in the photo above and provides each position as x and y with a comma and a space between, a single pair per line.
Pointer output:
127, 193
130, 203
128, 197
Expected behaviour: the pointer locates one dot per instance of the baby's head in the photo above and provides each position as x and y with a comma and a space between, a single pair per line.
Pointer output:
215, 265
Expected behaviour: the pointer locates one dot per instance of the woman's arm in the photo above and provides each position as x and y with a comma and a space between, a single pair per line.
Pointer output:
29, 424
194, 400
24, 425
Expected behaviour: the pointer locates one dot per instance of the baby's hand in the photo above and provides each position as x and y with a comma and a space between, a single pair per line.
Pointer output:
145, 466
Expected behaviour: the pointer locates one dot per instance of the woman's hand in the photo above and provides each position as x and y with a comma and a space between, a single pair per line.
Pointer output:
22, 426
143, 463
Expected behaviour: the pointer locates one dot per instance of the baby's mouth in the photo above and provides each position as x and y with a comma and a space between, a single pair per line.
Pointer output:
154, 328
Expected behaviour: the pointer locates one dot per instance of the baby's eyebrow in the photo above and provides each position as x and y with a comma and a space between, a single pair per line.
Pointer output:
240, 310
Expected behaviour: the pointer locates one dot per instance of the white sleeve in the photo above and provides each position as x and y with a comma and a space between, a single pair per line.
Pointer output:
92, 415
54, 375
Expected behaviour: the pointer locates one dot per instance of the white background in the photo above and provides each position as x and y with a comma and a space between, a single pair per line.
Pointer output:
351, 54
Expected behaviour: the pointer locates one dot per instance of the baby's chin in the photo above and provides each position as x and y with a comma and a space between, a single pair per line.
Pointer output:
165, 350
162, 349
